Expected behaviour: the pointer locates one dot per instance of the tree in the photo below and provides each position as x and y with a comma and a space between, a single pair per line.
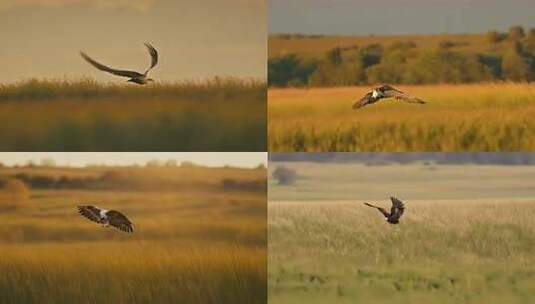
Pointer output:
285, 176
14, 193
516, 33
334, 56
494, 37
515, 66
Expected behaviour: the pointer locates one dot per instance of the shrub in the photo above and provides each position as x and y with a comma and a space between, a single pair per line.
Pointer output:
14, 194
516, 33
285, 176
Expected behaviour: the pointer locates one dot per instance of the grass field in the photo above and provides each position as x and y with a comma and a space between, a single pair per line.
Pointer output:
479, 117
467, 235
314, 47
194, 240
216, 115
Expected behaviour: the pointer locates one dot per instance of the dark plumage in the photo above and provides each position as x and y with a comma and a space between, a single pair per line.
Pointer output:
385, 91
107, 217
134, 76
395, 212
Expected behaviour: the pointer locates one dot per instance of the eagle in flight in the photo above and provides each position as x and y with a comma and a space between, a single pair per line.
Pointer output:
395, 212
385, 91
135, 77
107, 218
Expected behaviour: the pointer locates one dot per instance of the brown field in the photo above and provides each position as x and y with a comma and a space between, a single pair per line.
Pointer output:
53, 115
477, 117
197, 239
317, 47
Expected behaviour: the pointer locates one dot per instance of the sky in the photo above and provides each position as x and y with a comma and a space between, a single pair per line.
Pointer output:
80, 159
388, 17
196, 39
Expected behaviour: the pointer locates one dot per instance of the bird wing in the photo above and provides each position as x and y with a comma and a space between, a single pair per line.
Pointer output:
397, 208
131, 74
119, 221
153, 55
90, 212
383, 211
391, 92
367, 99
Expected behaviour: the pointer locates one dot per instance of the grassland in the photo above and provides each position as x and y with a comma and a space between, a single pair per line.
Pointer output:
478, 117
195, 241
216, 115
467, 235
314, 47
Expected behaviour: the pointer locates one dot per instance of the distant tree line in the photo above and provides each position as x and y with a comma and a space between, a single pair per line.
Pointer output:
511, 56
117, 180
370, 158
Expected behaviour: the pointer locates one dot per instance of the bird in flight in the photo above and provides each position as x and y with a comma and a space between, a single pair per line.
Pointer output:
385, 91
135, 77
107, 217
395, 212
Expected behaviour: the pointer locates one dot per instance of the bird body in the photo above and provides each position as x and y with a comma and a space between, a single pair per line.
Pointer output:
106, 217
396, 211
133, 76
382, 92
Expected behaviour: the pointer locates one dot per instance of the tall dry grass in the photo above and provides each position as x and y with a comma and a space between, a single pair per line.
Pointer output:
200, 244
53, 115
442, 252
480, 117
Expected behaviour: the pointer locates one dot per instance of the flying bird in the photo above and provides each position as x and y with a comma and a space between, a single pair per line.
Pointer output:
385, 91
107, 217
395, 212
134, 76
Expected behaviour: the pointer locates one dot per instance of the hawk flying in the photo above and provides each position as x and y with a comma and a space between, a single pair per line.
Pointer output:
107, 217
385, 91
395, 212
135, 77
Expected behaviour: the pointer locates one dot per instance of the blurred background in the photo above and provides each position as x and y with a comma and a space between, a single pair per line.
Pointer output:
195, 39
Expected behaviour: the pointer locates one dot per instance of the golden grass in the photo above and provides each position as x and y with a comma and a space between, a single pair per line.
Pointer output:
86, 116
479, 117
199, 244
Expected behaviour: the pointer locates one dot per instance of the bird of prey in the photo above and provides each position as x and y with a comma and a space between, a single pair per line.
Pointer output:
135, 77
385, 91
395, 212
107, 217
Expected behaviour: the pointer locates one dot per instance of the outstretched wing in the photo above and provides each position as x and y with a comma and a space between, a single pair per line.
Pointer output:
367, 99
397, 94
153, 55
131, 74
90, 212
397, 208
119, 221
383, 211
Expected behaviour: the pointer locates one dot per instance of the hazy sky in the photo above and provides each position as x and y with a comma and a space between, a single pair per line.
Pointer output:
398, 17
217, 159
195, 38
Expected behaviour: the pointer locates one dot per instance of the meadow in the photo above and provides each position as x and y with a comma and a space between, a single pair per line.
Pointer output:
197, 238
467, 235
462, 117
59, 115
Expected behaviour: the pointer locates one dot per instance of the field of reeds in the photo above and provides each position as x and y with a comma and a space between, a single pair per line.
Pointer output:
54, 115
467, 235
478, 117
196, 239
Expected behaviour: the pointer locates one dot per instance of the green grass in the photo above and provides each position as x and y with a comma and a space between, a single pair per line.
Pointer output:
217, 115
200, 244
467, 235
